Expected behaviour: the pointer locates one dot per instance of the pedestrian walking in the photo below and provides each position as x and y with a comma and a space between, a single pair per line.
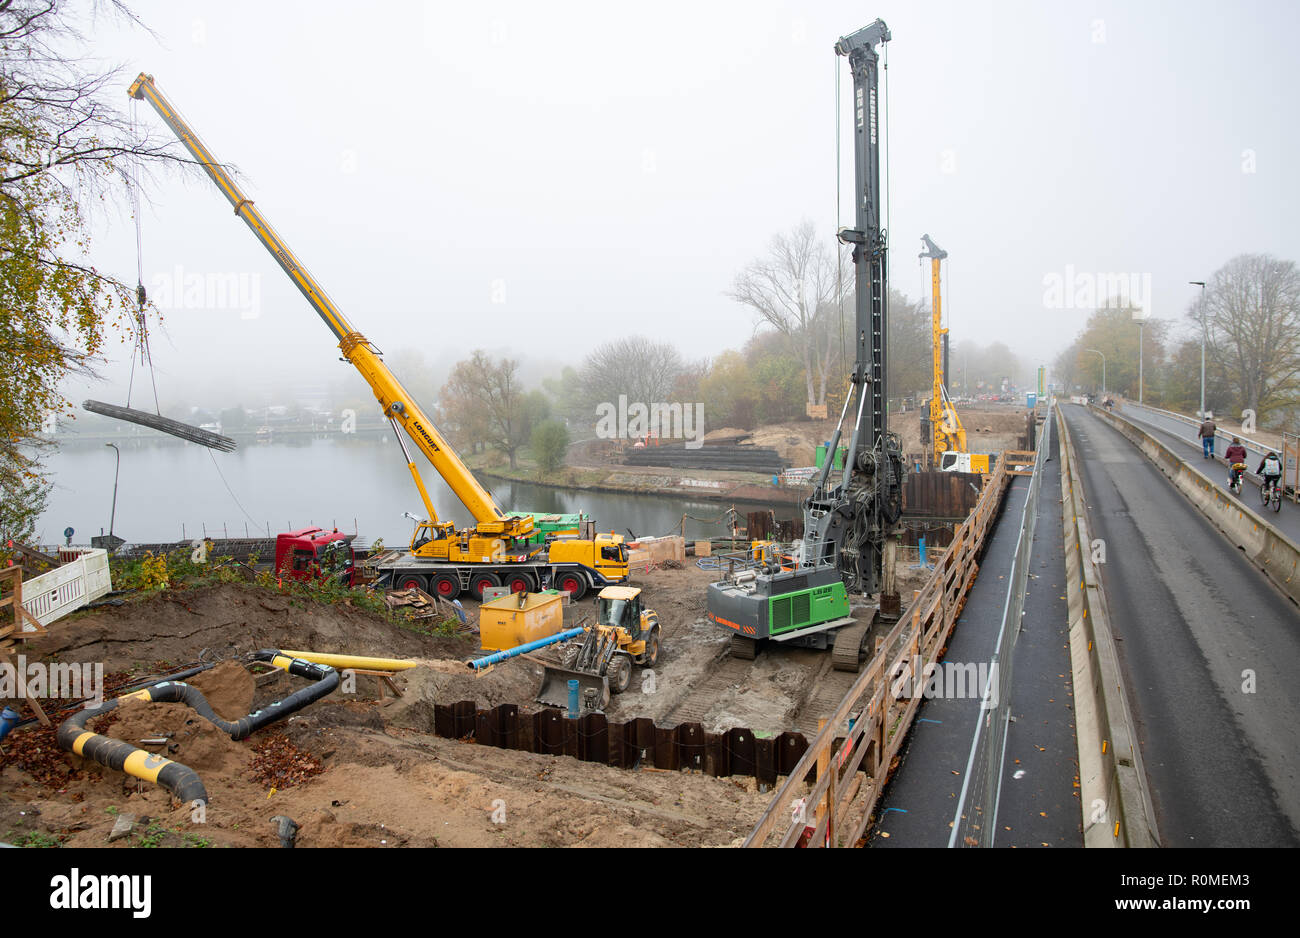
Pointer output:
1208, 429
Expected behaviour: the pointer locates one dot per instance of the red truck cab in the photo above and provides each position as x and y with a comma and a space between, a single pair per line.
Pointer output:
310, 554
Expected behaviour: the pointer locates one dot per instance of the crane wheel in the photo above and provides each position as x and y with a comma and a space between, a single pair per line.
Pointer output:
446, 585
519, 582
619, 673
572, 584
743, 648
411, 581
479, 581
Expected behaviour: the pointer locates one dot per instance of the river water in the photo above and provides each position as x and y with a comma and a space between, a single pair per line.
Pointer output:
168, 490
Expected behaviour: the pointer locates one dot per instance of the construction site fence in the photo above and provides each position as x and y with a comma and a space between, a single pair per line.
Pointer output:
635, 744
974, 821
850, 758
1114, 799
83, 578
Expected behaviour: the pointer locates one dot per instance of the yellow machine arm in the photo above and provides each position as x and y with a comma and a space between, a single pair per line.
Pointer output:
949, 434
398, 406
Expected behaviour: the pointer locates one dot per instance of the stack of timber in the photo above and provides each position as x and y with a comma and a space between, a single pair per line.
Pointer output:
709, 456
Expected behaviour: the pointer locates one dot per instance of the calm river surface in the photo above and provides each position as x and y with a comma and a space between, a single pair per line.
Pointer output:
356, 484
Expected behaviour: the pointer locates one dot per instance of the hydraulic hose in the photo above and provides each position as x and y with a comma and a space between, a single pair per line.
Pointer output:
180, 780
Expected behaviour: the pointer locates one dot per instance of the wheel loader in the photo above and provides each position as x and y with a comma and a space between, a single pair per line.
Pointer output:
624, 633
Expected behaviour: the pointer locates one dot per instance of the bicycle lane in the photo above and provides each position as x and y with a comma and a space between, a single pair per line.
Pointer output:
1209, 649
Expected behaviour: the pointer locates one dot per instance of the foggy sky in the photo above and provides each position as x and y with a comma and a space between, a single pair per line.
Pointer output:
534, 179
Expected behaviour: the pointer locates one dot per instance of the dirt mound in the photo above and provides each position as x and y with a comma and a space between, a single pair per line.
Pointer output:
191, 740
228, 620
229, 688
515, 681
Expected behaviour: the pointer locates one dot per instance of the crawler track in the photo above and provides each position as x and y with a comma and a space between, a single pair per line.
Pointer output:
721, 681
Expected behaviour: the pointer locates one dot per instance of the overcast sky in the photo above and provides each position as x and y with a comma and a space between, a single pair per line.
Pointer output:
535, 178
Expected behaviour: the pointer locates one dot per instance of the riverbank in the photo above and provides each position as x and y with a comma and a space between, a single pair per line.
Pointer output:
699, 484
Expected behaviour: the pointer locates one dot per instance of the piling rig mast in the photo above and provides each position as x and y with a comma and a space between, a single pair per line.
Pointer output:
847, 517
948, 434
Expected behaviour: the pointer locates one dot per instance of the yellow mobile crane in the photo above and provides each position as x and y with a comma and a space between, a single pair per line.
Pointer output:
495, 550
949, 436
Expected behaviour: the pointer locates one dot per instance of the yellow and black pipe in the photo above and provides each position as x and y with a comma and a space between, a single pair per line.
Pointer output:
181, 780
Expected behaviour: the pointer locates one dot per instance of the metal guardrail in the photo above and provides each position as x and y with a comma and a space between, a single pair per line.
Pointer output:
1114, 797
975, 819
852, 755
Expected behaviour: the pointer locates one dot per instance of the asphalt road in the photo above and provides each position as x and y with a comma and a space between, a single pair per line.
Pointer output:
1287, 520
1209, 650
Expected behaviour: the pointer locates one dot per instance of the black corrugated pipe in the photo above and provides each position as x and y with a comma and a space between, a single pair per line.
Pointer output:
181, 780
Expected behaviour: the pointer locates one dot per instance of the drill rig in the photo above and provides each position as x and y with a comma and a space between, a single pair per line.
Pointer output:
848, 517
948, 435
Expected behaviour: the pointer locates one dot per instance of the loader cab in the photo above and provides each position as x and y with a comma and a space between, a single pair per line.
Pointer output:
620, 606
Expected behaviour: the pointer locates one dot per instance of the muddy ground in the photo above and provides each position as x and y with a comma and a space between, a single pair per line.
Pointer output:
355, 770
350, 770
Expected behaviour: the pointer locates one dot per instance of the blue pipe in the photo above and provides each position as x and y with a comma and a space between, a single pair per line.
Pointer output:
573, 698
478, 664
8, 719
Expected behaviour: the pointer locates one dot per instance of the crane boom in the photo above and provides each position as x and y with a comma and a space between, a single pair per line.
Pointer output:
397, 404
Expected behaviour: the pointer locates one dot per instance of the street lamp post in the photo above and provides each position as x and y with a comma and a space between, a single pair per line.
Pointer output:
1103, 369
1201, 284
1141, 324
118, 465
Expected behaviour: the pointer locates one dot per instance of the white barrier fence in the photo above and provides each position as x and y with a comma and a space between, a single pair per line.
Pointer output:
82, 580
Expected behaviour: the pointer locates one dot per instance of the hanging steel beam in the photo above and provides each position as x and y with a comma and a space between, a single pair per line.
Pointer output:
157, 422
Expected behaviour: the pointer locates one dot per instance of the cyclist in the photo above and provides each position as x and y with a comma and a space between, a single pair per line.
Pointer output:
1270, 469
1236, 457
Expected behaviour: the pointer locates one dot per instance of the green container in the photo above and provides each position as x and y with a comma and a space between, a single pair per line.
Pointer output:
544, 524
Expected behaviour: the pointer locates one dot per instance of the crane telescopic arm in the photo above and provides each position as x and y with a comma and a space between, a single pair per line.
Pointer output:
398, 405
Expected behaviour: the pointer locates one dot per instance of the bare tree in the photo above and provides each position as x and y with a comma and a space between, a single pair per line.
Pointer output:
644, 370
1251, 316
793, 290
485, 400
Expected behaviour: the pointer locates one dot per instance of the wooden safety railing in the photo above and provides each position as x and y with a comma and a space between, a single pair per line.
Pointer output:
18, 628
852, 767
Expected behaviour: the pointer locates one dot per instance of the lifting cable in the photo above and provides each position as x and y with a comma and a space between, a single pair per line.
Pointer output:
155, 421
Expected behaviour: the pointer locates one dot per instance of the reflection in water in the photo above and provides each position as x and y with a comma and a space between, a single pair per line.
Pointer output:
167, 491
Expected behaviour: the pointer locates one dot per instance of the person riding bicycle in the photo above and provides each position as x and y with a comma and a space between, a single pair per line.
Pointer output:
1270, 470
1236, 457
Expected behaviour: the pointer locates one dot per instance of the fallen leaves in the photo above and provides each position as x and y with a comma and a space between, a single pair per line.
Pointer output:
279, 764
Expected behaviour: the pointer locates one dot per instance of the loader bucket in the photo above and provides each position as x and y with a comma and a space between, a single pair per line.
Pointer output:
554, 691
